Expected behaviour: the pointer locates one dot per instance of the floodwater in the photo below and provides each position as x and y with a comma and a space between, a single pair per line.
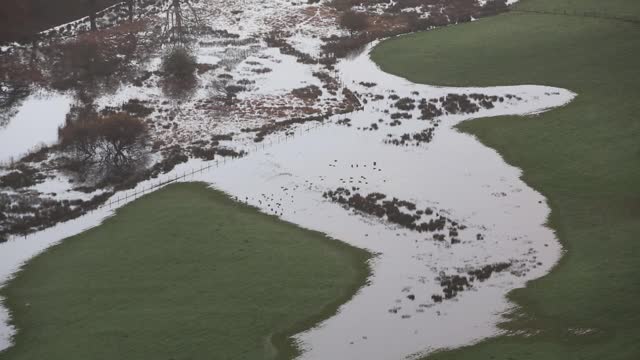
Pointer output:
393, 316
454, 174
36, 123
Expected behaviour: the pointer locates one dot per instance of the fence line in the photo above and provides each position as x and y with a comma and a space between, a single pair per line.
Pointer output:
136, 193
124, 196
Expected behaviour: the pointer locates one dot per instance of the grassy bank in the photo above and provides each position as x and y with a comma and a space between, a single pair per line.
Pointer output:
585, 158
183, 273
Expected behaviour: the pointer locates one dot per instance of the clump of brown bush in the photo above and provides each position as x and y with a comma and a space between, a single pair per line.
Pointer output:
179, 66
366, 25
276, 39
343, 5
344, 46
311, 92
405, 104
137, 108
354, 21
109, 147
22, 176
95, 58
179, 62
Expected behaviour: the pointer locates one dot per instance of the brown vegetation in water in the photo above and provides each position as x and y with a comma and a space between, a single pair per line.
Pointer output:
22, 176
109, 146
26, 214
95, 58
179, 62
309, 93
453, 284
401, 212
399, 18
354, 21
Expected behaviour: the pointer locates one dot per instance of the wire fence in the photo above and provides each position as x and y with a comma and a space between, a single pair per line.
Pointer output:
273, 139
163, 180
123, 197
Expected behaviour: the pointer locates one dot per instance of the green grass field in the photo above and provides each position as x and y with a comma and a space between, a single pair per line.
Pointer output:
585, 158
614, 8
183, 273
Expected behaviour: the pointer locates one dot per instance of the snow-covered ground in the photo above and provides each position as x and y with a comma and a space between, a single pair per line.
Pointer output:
394, 316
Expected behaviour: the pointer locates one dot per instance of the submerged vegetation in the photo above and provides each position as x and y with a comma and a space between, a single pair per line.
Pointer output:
112, 50
179, 62
109, 147
178, 70
369, 20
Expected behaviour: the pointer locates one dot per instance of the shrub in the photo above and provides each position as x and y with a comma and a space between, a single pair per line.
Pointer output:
24, 177
354, 21
310, 92
342, 4
347, 46
137, 108
109, 146
405, 104
179, 62
232, 90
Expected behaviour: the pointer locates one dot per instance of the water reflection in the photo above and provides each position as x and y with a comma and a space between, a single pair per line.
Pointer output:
11, 98
34, 124
37, 80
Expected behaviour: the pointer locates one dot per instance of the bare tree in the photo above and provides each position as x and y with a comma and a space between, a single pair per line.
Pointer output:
79, 135
177, 29
122, 139
107, 145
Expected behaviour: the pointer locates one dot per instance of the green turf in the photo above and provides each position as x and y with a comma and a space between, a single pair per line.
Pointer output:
585, 158
614, 8
183, 273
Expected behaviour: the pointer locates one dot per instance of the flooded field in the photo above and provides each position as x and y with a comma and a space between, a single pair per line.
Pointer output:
498, 220
365, 157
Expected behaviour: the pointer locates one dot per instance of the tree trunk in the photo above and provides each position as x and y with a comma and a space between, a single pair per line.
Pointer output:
178, 18
92, 15
130, 3
34, 51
